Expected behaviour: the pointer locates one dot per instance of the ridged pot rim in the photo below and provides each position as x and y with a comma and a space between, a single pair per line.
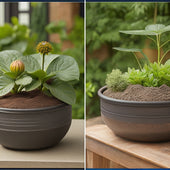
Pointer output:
33, 109
101, 95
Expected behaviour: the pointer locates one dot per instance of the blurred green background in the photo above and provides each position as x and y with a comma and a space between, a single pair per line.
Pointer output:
25, 37
104, 20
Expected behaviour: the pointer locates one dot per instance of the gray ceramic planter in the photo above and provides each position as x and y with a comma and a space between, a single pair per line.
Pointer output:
28, 129
139, 121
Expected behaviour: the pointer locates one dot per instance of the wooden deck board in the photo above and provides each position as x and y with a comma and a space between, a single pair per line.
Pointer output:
148, 155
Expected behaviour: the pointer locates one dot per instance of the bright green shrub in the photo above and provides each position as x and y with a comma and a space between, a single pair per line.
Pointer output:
152, 75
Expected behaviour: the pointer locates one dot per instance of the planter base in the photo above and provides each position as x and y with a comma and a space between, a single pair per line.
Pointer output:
30, 129
139, 132
135, 120
33, 140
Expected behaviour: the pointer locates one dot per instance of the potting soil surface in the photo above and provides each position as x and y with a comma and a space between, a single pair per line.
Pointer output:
141, 93
28, 100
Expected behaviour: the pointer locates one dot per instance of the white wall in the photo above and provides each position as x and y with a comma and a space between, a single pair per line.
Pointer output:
2, 6
24, 17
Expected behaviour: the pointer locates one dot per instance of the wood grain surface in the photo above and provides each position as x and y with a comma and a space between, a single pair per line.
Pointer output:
102, 141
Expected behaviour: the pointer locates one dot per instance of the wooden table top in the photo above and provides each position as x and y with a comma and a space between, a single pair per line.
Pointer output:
102, 141
68, 154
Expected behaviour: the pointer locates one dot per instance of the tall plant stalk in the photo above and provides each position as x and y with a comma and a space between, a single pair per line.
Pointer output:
158, 47
155, 13
43, 58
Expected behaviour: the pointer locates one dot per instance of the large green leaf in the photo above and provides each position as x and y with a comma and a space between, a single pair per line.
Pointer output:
24, 80
1, 73
7, 57
31, 64
19, 46
133, 50
166, 29
65, 67
6, 85
62, 91
139, 32
127, 49
153, 29
6, 40
34, 85
11, 75
167, 62
48, 59
158, 28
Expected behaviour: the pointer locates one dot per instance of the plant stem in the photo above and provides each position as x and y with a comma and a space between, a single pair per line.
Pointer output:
155, 13
164, 56
158, 47
20, 88
41, 87
145, 56
43, 62
137, 61
42, 67
151, 39
164, 43
15, 89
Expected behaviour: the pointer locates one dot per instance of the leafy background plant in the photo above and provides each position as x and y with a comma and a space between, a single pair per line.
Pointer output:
104, 20
39, 20
17, 37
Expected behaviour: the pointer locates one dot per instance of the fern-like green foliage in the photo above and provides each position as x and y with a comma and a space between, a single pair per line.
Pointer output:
152, 75
116, 80
104, 20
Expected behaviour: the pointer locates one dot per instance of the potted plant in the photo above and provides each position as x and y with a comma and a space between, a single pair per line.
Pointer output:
136, 104
36, 97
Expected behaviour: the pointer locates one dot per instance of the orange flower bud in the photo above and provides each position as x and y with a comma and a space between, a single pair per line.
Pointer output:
17, 67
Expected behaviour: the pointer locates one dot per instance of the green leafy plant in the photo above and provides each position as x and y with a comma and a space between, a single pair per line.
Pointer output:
104, 20
116, 80
150, 30
52, 74
155, 74
152, 75
90, 89
18, 37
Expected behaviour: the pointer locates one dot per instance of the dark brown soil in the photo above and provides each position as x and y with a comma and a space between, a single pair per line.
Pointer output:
141, 93
28, 100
